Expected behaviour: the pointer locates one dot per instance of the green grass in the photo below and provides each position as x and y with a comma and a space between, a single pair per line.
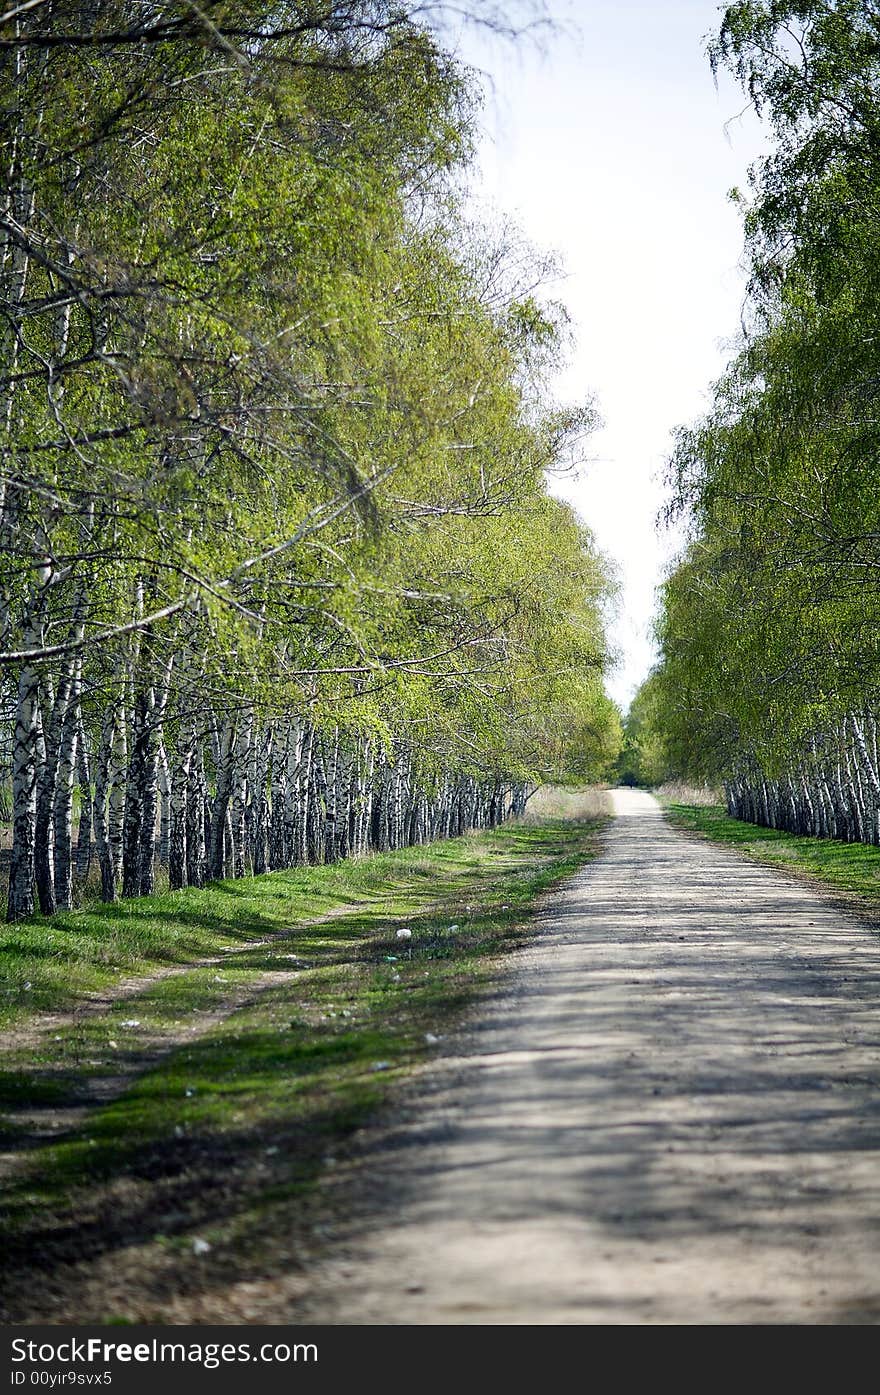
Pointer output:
246, 1076
48, 964
851, 870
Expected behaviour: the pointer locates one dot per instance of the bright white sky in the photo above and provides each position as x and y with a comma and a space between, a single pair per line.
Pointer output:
614, 149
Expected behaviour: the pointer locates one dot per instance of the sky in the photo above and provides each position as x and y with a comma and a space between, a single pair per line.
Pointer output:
610, 145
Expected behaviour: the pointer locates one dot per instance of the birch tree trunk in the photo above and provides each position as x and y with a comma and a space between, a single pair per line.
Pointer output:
53, 714
197, 823
331, 801
63, 804
20, 901
225, 767
102, 782
116, 792
164, 805
868, 765
134, 795
84, 829
317, 793
299, 795
152, 752
241, 765
261, 757
177, 849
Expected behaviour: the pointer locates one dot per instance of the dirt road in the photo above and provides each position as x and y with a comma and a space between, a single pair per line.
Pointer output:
671, 1114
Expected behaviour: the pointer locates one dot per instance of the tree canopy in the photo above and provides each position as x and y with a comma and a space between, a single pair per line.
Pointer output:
282, 577
769, 625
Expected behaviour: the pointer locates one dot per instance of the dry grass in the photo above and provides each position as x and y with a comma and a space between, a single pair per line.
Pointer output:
558, 802
677, 792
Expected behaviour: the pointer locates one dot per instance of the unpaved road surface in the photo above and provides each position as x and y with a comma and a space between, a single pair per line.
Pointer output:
670, 1114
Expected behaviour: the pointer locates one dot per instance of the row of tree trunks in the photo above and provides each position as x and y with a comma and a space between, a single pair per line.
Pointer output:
208, 795
833, 791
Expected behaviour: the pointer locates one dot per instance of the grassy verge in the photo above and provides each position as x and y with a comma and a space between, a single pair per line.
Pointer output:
850, 870
228, 1090
49, 964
